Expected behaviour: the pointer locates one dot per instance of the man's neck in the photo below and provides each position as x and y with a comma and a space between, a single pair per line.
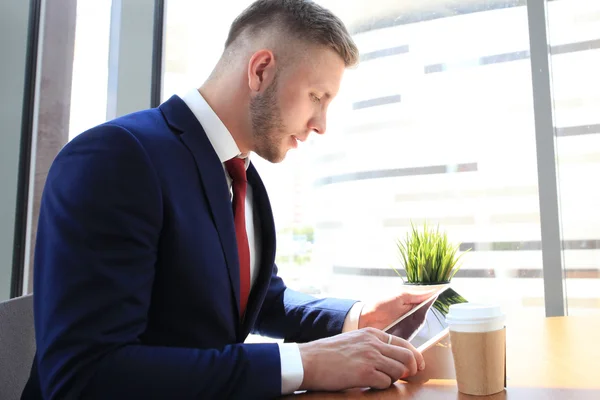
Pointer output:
227, 107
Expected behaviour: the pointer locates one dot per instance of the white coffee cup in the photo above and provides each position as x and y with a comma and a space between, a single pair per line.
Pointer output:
471, 317
478, 342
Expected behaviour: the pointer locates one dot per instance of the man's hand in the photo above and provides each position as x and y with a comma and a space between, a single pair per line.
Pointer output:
361, 358
381, 314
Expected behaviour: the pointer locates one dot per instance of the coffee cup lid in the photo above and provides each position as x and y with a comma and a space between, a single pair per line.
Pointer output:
471, 312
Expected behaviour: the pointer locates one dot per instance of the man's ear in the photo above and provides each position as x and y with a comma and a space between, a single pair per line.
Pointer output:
261, 70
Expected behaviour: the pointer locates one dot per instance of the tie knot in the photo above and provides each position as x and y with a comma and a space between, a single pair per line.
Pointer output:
237, 169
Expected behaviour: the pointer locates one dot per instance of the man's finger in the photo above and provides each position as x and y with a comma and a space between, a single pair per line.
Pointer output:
396, 341
402, 356
392, 367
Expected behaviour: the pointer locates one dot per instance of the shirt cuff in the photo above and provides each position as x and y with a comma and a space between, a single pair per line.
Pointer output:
351, 321
292, 369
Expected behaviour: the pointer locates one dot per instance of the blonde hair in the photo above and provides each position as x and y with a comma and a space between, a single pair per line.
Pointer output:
302, 19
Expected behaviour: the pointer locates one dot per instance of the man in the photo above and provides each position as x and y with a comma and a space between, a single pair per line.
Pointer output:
156, 242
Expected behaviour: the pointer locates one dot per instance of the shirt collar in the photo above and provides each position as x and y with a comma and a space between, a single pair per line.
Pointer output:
219, 136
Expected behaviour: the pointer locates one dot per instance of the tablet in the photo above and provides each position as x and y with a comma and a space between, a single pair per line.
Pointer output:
425, 324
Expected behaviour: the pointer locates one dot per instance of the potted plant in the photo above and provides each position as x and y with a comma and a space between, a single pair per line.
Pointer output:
428, 257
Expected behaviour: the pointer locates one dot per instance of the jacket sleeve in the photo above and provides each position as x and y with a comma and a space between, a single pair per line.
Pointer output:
298, 317
99, 226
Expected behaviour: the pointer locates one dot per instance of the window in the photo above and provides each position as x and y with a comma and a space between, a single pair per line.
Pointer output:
445, 134
194, 41
436, 124
90, 66
574, 32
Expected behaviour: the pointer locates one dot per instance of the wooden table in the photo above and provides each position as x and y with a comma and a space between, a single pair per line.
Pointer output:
547, 358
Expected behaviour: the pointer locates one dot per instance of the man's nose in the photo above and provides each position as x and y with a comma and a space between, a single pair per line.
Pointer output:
318, 124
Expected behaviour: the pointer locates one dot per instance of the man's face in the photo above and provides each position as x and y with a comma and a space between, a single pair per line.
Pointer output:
295, 103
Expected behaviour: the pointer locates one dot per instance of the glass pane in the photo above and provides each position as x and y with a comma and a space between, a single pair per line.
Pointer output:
90, 66
574, 30
189, 61
435, 124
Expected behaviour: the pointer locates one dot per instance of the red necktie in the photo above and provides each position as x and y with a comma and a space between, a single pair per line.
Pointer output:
237, 170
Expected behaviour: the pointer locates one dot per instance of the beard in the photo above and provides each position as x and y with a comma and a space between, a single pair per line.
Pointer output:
267, 126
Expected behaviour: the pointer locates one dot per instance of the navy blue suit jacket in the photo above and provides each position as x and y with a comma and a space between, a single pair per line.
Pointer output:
136, 280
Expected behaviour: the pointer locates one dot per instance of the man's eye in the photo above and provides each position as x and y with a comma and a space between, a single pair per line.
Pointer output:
315, 98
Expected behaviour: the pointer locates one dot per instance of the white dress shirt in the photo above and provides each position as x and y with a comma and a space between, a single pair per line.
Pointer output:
292, 370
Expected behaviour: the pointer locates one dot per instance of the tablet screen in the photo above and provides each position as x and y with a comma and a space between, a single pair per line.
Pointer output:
426, 321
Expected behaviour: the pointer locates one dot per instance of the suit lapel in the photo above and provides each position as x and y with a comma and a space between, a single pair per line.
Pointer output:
180, 117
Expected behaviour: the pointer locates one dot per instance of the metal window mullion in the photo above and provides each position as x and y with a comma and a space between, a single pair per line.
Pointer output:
37, 17
19, 21
554, 282
158, 53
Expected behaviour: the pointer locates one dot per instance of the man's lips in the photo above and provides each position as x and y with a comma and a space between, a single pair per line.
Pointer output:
299, 138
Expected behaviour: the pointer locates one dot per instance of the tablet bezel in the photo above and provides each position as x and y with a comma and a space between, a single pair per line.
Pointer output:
435, 293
